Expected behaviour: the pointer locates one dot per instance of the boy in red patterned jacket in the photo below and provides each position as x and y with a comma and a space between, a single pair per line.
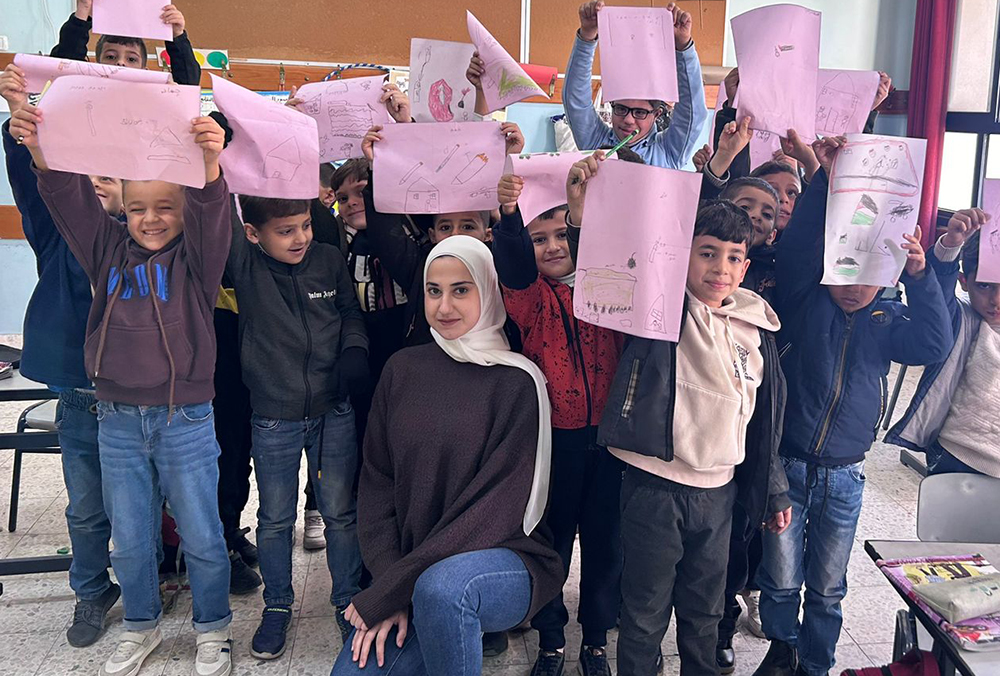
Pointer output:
579, 360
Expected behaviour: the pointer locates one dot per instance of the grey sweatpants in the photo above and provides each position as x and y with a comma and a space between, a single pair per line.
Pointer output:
676, 544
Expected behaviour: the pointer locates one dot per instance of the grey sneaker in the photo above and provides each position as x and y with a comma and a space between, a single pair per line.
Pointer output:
313, 537
89, 616
215, 654
132, 650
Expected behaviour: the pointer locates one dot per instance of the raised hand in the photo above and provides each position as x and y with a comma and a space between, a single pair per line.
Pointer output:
794, 147
588, 19
732, 84
884, 87
701, 157
474, 73
576, 184
396, 102
513, 138
963, 225
171, 15
916, 260
826, 149
83, 9
13, 87
211, 138
368, 142
509, 191
293, 99
24, 128
682, 26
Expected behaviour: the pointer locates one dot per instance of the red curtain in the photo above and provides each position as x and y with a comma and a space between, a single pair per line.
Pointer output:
928, 103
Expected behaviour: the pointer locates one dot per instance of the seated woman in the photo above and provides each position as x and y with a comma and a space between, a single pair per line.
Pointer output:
455, 479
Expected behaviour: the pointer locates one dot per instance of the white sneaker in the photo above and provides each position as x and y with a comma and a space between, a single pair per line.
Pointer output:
752, 619
215, 653
132, 649
313, 537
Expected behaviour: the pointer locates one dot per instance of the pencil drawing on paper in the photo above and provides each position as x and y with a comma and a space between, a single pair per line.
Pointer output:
166, 145
418, 81
644, 28
836, 106
469, 171
349, 120
876, 167
656, 317
283, 160
422, 197
608, 292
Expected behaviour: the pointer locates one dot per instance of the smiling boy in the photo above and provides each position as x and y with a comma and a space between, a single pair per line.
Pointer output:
304, 349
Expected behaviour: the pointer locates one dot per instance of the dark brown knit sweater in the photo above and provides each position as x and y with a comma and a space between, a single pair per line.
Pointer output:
448, 462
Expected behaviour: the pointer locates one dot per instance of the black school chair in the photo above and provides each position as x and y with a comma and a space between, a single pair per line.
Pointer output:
42, 417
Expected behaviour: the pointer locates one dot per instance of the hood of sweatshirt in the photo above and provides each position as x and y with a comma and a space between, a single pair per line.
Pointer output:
746, 306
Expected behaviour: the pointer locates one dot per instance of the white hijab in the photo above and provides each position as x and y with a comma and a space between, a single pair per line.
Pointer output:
486, 345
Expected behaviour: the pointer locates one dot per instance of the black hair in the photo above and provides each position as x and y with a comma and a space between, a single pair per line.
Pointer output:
735, 185
970, 256
551, 213
326, 171
724, 220
484, 216
257, 211
124, 41
351, 170
772, 167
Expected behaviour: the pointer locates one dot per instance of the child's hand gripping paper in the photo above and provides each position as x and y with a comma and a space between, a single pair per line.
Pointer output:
368, 142
211, 138
396, 102
173, 17
916, 259
734, 138
588, 19
13, 87
794, 147
682, 26
508, 192
576, 185
24, 128
513, 138
826, 149
963, 225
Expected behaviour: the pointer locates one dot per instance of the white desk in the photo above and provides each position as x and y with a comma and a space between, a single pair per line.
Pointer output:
966, 662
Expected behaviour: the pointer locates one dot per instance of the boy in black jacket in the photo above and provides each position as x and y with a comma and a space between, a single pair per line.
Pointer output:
125, 51
303, 348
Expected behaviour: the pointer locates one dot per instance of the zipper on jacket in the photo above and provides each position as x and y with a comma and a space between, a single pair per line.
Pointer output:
308, 354
838, 388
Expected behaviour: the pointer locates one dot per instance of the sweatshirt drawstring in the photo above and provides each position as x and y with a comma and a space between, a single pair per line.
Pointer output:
319, 460
104, 319
166, 346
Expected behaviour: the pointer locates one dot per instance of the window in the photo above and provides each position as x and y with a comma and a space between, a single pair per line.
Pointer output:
973, 123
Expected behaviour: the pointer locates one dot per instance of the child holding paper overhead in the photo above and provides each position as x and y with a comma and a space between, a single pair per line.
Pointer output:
537, 271
304, 349
671, 148
838, 345
129, 52
723, 385
952, 417
150, 351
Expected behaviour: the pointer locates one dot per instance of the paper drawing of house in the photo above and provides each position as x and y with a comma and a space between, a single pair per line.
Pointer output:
282, 162
422, 197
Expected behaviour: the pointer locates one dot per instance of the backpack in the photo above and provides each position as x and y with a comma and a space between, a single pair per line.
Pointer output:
913, 663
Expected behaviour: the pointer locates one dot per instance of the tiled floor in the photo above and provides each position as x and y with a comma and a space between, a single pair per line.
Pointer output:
34, 610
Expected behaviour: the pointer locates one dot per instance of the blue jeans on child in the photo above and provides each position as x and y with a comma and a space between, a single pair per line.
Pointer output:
940, 461
144, 460
826, 503
331, 449
454, 602
89, 527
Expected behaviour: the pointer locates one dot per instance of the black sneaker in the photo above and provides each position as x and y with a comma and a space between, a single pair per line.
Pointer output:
725, 657
594, 662
242, 578
780, 660
269, 639
89, 616
494, 643
549, 664
246, 549
343, 625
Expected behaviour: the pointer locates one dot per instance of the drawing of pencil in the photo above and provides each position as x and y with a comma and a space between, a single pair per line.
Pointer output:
474, 166
410, 173
451, 153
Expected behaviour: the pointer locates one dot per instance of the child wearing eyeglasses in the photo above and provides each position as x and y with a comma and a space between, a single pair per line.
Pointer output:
670, 148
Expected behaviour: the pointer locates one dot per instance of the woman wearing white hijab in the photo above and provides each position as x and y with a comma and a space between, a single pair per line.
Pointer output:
453, 487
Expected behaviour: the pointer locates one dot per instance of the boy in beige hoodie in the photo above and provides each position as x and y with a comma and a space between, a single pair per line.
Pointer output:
723, 385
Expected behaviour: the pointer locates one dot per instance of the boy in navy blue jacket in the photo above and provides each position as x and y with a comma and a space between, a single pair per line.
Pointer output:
54, 327
837, 345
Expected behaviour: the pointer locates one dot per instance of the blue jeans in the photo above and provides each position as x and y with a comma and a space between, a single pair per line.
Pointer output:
143, 461
454, 602
826, 503
332, 457
940, 461
89, 527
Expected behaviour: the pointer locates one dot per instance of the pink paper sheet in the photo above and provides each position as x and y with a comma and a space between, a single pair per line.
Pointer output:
989, 238
875, 186
129, 130
132, 18
777, 49
720, 101
40, 69
275, 149
436, 168
504, 82
544, 177
344, 111
439, 90
630, 36
843, 100
631, 272
763, 145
